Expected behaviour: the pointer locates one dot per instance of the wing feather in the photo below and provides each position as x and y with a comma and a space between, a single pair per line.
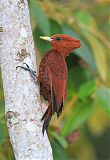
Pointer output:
57, 77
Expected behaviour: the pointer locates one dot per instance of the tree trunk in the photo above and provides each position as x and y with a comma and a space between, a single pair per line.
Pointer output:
22, 99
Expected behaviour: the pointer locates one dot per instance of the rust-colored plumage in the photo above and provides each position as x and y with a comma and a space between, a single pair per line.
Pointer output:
53, 74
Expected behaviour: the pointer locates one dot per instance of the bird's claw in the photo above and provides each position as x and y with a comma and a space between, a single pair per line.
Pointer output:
32, 72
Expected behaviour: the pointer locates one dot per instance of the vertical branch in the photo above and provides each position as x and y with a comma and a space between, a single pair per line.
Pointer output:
22, 100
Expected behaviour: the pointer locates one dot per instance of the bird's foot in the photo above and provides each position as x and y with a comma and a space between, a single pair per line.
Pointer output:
32, 72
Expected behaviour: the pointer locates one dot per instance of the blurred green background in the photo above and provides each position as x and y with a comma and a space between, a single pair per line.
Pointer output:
83, 130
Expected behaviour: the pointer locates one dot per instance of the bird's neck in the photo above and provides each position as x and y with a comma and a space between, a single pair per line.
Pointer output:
62, 51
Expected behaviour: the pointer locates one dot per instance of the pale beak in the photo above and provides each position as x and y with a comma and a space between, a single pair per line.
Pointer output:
46, 38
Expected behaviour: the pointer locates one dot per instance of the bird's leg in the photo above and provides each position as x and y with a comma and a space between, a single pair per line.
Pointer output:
32, 72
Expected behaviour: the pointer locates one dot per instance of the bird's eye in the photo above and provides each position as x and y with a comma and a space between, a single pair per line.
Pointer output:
58, 38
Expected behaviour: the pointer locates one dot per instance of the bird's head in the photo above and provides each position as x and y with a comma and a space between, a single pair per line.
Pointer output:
63, 43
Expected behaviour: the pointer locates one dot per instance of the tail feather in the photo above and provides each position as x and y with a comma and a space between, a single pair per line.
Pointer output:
54, 102
45, 124
45, 114
60, 109
46, 117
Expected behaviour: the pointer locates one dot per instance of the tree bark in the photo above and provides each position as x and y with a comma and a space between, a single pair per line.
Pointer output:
22, 100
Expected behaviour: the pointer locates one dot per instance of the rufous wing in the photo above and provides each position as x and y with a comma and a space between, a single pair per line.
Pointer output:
57, 77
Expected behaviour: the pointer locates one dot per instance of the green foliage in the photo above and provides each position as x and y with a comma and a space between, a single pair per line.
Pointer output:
86, 90
62, 141
96, 46
40, 17
1, 134
103, 95
78, 115
87, 107
58, 152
